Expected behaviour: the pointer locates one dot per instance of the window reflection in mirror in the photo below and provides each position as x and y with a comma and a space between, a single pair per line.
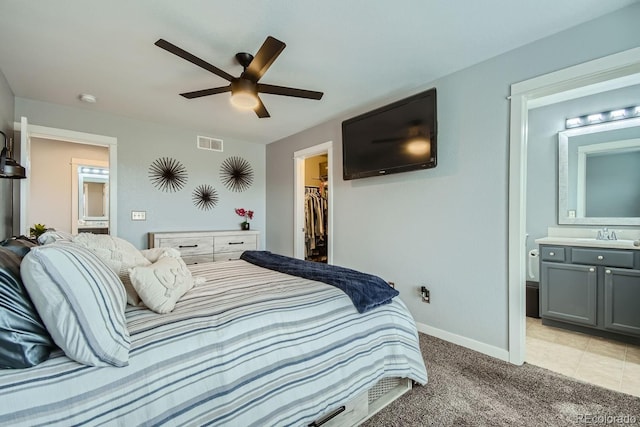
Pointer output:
598, 174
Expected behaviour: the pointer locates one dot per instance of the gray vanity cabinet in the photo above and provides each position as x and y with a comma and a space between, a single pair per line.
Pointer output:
571, 295
590, 289
622, 300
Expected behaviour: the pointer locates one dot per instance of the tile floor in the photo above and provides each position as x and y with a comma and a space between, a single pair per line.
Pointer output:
607, 363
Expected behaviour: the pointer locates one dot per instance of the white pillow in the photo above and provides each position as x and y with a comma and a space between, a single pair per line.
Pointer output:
81, 302
118, 254
51, 236
154, 254
161, 284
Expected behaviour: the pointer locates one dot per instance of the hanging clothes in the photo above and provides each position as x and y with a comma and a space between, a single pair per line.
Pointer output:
315, 212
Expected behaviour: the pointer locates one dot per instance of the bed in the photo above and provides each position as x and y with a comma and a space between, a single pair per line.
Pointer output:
248, 347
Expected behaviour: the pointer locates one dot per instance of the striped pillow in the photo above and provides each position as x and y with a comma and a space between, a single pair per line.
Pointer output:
81, 302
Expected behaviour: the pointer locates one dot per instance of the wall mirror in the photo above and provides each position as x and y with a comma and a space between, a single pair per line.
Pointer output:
93, 188
93, 198
598, 174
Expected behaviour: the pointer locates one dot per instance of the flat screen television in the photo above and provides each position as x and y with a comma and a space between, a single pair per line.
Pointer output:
399, 137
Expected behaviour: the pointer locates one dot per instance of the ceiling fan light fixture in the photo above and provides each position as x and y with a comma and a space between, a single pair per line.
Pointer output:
244, 100
244, 94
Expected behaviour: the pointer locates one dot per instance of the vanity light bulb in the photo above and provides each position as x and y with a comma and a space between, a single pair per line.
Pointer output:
594, 118
618, 114
576, 121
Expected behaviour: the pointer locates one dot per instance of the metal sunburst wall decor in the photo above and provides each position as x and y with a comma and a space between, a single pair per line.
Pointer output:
205, 197
236, 174
167, 174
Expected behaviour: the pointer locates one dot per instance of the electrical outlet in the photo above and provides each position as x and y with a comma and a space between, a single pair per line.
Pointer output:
426, 295
138, 215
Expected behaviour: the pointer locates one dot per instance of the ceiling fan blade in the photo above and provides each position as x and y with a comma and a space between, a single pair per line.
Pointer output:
261, 111
262, 60
169, 47
288, 91
206, 92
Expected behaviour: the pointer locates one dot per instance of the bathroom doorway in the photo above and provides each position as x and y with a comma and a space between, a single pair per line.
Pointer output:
614, 71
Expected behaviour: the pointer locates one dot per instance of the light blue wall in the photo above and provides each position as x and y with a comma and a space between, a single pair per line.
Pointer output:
445, 228
6, 125
139, 144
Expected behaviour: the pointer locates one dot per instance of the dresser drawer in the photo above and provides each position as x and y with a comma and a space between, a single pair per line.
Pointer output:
235, 243
197, 259
227, 256
189, 246
608, 257
552, 253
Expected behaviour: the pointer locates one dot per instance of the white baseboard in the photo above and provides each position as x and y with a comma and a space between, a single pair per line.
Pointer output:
489, 350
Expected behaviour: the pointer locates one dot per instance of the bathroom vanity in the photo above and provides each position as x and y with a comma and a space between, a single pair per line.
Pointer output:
591, 285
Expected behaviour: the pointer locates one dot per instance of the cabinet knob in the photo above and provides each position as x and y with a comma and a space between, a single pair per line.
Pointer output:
552, 253
591, 270
608, 271
600, 257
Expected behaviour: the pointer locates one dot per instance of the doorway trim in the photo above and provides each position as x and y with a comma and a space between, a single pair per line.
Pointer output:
45, 132
599, 75
298, 197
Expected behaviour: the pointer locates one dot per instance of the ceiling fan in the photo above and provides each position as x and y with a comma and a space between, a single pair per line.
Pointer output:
245, 88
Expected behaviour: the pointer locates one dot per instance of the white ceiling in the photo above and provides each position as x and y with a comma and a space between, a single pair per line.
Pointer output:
357, 52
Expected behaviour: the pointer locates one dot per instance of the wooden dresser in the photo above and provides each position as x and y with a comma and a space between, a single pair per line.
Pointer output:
206, 246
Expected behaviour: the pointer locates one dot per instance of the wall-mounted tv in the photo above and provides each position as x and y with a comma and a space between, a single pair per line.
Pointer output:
399, 137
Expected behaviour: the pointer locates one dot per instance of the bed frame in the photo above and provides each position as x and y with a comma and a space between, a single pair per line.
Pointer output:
365, 405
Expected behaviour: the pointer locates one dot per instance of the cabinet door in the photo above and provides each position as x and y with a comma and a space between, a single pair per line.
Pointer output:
568, 292
621, 300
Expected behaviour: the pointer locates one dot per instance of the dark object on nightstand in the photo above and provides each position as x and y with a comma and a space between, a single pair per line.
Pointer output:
533, 299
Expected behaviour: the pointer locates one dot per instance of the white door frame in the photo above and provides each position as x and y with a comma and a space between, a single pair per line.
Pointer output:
35, 131
600, 75
298, 197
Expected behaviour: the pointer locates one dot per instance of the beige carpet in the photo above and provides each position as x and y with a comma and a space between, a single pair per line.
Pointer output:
467, 388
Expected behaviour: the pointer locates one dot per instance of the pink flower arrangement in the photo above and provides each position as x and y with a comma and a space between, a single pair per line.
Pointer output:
246, 214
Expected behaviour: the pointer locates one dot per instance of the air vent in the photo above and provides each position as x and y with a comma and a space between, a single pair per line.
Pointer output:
211, 144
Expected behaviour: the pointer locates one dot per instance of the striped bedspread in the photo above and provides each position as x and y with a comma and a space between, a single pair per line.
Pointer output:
249, 347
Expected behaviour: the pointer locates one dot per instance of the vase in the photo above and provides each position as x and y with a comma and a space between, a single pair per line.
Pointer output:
245, 226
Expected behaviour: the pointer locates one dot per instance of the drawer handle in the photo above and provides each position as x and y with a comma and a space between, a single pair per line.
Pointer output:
188, 246
328, 417
236, 243
552, 253
591, 270
600, 257
608, 271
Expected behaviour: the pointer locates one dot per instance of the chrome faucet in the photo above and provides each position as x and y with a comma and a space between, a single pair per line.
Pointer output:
605, 234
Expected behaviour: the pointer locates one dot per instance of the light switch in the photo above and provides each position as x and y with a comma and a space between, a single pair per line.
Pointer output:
138, 215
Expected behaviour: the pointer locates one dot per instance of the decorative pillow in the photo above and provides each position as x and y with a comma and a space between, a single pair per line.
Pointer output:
118, 254
161, 284
154, 254
52, 235
20, 245
24, 340
81, 302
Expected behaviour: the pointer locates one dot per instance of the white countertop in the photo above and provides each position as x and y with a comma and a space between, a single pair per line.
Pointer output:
589, 242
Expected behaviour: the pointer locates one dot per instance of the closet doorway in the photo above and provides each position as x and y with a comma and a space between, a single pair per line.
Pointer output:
313, 225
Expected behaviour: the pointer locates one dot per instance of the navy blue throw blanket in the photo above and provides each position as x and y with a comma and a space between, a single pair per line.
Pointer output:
365, 290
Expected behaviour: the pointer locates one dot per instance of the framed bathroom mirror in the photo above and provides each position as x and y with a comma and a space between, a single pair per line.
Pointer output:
599, 174
93, 194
